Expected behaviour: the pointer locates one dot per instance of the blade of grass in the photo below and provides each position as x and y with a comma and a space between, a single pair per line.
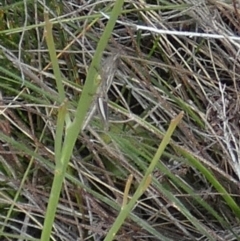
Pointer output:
145, 181
74, 128
210, 177
52, 52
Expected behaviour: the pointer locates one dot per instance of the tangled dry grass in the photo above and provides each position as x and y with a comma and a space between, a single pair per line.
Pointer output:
193, 66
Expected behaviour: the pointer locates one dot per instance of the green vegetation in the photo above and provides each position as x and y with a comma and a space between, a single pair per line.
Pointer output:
167, 167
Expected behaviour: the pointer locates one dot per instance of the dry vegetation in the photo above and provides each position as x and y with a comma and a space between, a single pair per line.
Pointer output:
194, 194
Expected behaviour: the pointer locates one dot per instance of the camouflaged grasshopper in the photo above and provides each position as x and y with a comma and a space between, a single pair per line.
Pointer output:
107, 72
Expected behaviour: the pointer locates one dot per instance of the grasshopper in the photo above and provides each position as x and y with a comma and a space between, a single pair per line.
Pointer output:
107, 72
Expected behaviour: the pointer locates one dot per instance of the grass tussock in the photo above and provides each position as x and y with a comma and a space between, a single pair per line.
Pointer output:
155, 173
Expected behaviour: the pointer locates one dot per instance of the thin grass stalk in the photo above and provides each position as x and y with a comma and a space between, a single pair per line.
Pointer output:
211, 178
126, 209
73, 129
